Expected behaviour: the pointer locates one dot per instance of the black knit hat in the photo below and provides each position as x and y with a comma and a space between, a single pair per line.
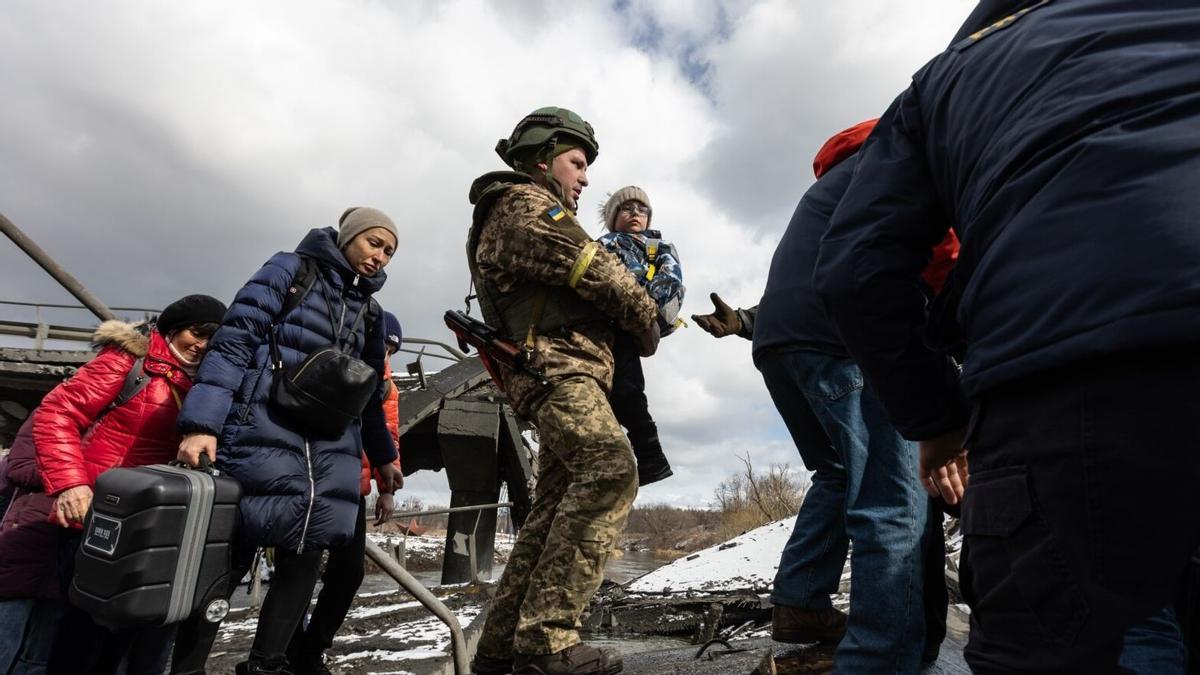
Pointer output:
189, 311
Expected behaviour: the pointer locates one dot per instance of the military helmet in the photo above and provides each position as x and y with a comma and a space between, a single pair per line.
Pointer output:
541, 128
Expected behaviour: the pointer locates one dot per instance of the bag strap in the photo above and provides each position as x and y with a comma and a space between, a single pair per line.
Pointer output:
365, 310
651, 256
135, 381
302, 283
342, 337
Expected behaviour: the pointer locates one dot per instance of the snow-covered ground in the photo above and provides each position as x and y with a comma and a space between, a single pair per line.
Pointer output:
744, 563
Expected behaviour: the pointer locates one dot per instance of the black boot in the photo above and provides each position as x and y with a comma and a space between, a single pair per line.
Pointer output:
308, 664
264, 667
652, 464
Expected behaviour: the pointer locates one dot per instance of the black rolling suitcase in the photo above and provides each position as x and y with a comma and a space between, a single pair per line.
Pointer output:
156, 546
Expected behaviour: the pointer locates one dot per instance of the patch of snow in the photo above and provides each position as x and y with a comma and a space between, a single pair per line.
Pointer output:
373, 594
245, 625
350, 638
364, 612
384, 655
746, 562
431, 630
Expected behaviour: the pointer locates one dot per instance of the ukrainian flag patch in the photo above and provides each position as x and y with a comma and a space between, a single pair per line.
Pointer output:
556, 214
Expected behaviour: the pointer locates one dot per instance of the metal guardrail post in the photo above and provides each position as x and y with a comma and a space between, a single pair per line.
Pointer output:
458, 641
55, 270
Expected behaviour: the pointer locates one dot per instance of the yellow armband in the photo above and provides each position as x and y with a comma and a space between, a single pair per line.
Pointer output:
582, 262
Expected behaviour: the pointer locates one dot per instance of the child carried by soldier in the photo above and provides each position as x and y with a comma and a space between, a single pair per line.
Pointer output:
655, 264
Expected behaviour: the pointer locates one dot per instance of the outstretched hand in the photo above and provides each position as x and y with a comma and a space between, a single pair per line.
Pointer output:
943, 466
723, 321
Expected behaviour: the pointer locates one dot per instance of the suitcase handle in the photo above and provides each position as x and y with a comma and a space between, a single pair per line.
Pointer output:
206, 465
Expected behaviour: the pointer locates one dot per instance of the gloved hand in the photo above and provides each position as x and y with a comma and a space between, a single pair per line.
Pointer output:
723, 321
647, 340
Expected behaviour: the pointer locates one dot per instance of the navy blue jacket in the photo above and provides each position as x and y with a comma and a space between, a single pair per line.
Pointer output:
790, 314
298, 492
1065, 150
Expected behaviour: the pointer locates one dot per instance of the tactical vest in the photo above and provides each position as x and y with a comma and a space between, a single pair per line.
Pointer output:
512, 312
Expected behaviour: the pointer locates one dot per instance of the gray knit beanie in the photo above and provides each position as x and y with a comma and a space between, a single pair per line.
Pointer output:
628, 193
359, 219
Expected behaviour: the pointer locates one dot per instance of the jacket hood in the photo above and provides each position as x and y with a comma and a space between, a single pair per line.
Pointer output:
131, 337
321, 244
842, 145
489, 180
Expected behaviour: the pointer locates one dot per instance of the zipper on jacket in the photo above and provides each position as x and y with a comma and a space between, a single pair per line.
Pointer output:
312, 497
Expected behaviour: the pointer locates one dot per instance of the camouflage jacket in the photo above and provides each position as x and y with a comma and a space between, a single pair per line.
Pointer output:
529, 238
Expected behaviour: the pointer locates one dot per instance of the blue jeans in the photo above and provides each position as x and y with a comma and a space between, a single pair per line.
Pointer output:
1154, 646
27, 629
865, 490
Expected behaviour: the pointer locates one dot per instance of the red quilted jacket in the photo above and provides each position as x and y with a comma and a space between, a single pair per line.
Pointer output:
73, 449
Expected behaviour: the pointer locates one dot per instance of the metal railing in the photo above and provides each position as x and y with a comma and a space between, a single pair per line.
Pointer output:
395, 569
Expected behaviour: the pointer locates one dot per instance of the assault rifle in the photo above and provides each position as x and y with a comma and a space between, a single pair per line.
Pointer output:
493, 348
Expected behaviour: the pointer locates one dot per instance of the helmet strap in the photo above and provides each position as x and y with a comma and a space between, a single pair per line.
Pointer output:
548, 175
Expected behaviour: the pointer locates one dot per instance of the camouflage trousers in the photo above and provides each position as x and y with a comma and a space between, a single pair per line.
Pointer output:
586, 484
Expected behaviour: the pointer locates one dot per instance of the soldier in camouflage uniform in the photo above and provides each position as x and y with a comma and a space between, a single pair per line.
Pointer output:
545, 283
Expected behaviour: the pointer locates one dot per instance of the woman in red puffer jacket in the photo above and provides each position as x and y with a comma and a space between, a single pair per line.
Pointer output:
77, 434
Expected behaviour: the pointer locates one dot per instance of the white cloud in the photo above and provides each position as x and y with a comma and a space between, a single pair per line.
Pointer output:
161, 149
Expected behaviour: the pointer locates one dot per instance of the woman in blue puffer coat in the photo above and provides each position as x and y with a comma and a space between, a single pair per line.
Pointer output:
301, 491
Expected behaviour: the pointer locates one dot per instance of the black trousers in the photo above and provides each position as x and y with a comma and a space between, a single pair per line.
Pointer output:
282, 610
339, 583
628, 400
1082, 509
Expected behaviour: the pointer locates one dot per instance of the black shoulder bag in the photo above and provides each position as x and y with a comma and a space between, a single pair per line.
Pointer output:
328, 389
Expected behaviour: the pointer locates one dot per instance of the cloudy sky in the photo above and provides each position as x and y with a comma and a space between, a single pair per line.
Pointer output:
160, 149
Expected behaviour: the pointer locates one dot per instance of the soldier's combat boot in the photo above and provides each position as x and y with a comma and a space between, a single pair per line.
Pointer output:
795, 625
579, 659
483, 664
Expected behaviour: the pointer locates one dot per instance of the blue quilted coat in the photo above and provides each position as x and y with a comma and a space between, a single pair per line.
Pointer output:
299, 492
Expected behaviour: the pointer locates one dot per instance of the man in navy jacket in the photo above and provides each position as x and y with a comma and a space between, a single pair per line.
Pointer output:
1062, 141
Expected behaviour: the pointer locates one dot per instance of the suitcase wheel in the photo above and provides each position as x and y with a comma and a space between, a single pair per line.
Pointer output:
216, 610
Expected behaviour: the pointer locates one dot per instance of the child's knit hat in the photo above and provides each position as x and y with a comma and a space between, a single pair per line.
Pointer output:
628, 193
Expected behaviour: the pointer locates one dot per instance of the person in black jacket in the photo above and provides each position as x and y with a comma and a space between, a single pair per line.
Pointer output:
1062, 142
864, 486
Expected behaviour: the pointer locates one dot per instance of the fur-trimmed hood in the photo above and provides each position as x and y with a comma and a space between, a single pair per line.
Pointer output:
131, 337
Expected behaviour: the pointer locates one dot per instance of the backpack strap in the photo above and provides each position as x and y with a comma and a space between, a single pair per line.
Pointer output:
302, 283
135, 381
